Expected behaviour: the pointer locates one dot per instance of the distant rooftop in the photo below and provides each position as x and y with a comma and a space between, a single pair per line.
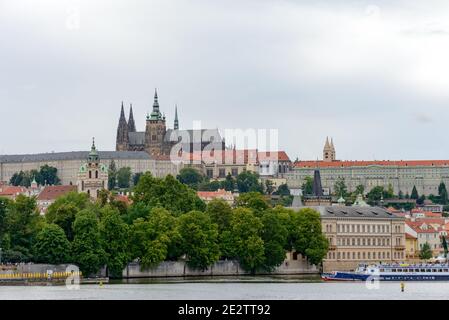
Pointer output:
356, 212
73, 155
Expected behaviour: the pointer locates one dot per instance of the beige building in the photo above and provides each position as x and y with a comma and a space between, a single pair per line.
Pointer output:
69, 163
361, 235
426, 175
208, 196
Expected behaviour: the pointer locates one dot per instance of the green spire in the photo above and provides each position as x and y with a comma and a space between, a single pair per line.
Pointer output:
93, 154
156, 114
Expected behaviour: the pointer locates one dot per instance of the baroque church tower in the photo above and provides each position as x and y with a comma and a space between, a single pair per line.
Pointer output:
329, 153
122, 141
155, 130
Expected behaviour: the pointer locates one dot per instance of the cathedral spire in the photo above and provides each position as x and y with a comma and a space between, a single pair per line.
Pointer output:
122, 132
122, 113
176, 124
156, 114
131, 123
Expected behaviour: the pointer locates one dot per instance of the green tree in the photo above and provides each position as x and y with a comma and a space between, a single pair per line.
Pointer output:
421, 200
248, 181
414, 194
23, 224
442, 192
191, 177
48, 175
274, 236
253, 200
220, 212
87, 251
112, 175
283, 190
340, 188
114, 233
63, 211
306, 236
307, 186
199, 239
51, 245
375, 194
426, 252
167, 193
124, 177
136, 178
154, 238
229, 183
243, 240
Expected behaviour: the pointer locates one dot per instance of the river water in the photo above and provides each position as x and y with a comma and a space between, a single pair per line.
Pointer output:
257, 288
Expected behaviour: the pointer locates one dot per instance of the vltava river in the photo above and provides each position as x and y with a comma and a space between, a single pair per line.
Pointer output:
232, 289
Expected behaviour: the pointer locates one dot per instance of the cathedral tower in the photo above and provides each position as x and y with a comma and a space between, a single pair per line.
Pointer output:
155, 130
131, 123
122, 140
329, 154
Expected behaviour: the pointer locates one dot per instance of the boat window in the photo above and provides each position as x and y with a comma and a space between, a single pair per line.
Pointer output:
434, 270
423, 270
399, 270
382, 270
440, 270
428, 270
393, 270
416, 270
405, 270
445, 270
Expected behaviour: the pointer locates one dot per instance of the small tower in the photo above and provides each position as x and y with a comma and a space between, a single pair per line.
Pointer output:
122, 141
329, 151
176, 123
131, 123
93, 175
155, 130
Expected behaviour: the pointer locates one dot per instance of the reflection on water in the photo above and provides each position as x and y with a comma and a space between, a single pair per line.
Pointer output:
227, 288
224, 279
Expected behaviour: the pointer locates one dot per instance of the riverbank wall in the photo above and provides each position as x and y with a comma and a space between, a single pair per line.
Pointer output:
221, 268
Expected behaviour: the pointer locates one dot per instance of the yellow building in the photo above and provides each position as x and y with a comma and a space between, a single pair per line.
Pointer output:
411, 247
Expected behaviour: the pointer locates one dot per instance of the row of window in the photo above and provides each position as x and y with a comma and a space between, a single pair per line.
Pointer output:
365, 241
363, 255
363, 228
415, 270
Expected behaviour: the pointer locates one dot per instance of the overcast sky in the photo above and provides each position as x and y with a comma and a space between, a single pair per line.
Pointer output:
371, 74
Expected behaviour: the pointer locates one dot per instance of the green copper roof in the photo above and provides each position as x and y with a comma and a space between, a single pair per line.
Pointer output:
93, 154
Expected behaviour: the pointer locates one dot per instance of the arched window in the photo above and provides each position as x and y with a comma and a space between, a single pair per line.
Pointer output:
90, 174
96, 174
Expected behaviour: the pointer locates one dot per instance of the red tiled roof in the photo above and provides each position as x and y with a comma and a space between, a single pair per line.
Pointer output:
211, 194
54, 192
122, 198
11, 190
402, 163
